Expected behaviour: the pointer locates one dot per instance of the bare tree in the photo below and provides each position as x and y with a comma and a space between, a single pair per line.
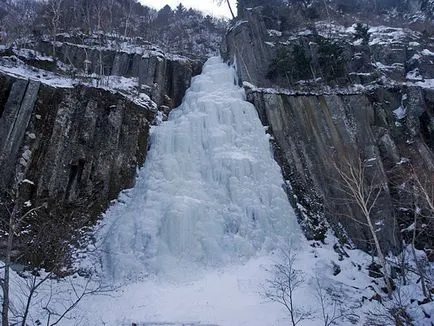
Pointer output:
422, 192
79, 292
128, 13
14, 224
110, 7
219, 3
332, 308
99, 12
55, 12
30, 286
20, 215
364, 194
286, 279
392, 313
425, 190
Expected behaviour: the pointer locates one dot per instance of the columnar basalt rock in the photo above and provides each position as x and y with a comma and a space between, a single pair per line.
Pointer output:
312, 133
160, 74
245, 42
69, 147
374, 106
74, 149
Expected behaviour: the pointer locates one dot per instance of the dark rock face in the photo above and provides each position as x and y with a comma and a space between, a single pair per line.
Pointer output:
319, 54
75, 148
16, 113
245, 41
372, 108
68, 151
316, 128
313, 133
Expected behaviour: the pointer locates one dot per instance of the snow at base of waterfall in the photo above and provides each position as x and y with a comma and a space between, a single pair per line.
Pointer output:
228, 296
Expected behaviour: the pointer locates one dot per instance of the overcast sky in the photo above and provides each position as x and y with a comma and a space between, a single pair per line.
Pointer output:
207, 6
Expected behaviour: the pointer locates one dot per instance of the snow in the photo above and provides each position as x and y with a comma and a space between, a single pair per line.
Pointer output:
427, 52
273, 32
400, 113
409, 228
248, 85
146, 49
325, 90
381, 66
237, 24
227, 296
45, 77
128, 87
305, 32
427, 83
403, 160
231, 295
221, 297
31, 54
383, 35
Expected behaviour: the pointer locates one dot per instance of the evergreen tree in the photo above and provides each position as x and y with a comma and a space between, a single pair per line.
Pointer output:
164, 15
180, 10
362, 32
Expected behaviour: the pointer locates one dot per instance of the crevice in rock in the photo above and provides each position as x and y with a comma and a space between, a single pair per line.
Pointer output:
75, 173
425, 129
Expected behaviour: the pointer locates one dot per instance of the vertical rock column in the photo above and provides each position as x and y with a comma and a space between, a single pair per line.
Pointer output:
13, 124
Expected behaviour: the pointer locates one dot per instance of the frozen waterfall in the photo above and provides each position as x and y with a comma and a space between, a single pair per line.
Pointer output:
210, 192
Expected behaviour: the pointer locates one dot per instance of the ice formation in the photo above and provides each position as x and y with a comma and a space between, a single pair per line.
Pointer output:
210, 192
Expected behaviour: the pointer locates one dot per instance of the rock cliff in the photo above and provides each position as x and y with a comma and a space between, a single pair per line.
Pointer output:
71, 138
378, 114
313, 133
69, 151
162, 76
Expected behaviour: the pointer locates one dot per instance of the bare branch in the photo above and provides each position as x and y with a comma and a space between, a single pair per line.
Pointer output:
365, 195
282, 286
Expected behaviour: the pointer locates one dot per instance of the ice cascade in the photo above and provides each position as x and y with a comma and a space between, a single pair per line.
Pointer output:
210, 192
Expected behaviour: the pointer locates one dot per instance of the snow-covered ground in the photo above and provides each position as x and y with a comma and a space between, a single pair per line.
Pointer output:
231, 295
196, 240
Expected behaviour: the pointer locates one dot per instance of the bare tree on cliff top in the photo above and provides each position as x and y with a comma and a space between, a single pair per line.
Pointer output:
219, 3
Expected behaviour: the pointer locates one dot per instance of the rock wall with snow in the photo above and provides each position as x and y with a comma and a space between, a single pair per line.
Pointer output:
161, 76
380, 110
69, 149
74, 126
313, 133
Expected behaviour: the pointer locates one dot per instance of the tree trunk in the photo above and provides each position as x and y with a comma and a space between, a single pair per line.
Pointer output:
379, 252
6, 280
425, 292
230, 9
